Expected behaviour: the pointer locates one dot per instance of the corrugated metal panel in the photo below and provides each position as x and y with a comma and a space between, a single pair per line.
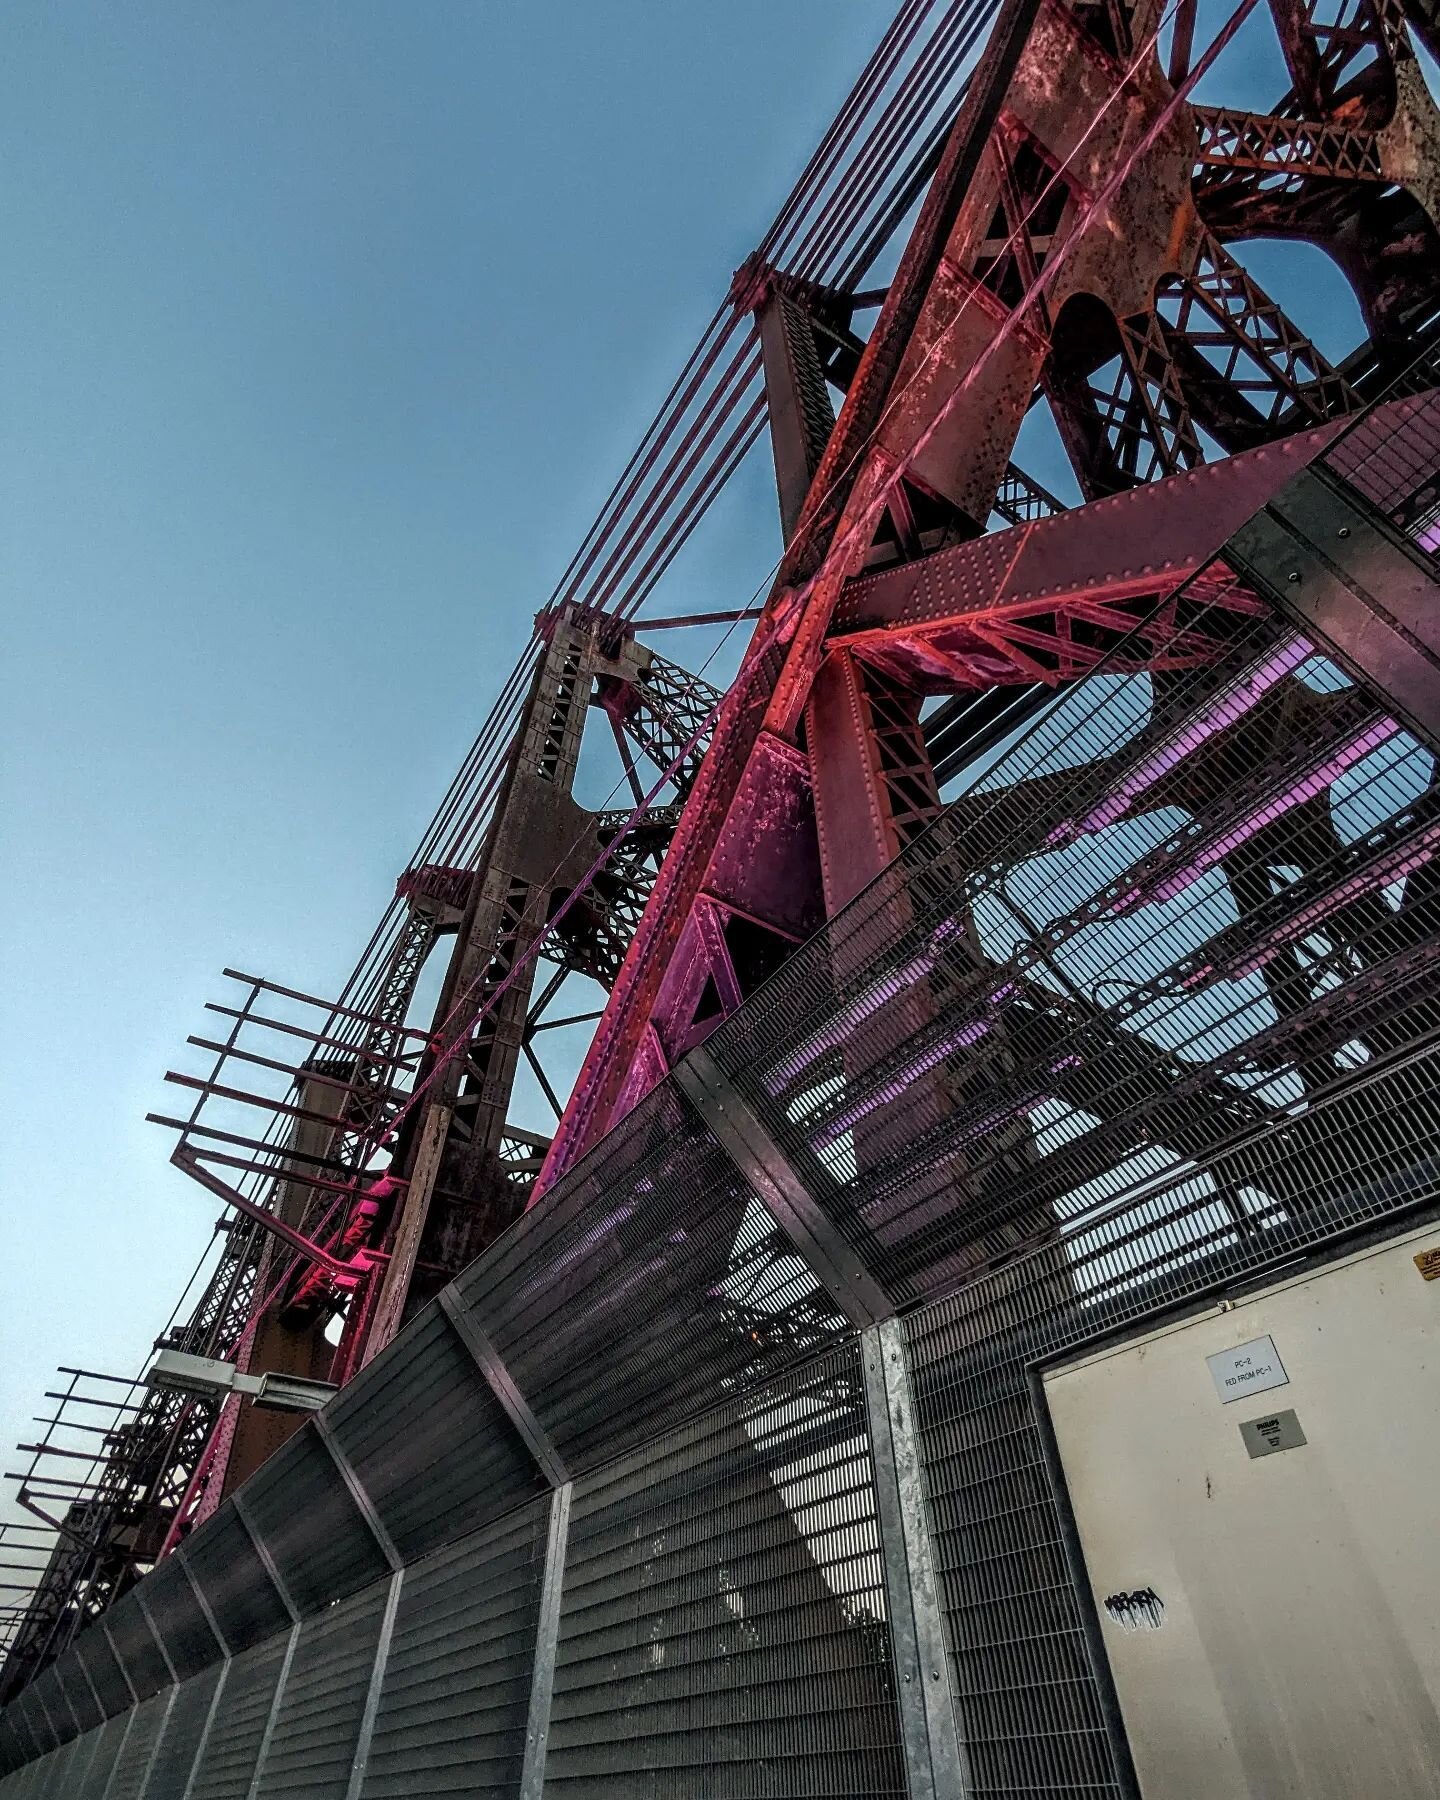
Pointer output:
108, 1740
58, 1766
79, 1695
232, 1578
722, 1619
178, 1618
451, 1719
299, 1504
92, 1648
48, 1711
614, 1302
132, 1760
312, 1743
445, 1467
140, 1655
14, 1747
180, 1740
228, 1763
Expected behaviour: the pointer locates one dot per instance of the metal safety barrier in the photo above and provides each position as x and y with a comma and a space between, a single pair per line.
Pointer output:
721, 1472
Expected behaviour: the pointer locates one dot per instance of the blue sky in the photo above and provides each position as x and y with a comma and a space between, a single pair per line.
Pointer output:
326, 328
324, 332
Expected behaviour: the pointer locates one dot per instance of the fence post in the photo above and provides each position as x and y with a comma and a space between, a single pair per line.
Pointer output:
547, 1639
377, 1683
275, 1703
198, 1760
936, 1766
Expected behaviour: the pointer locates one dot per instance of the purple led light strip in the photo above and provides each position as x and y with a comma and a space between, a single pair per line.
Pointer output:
1230, 704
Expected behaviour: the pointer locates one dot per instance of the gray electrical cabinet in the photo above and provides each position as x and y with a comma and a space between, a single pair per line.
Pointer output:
1256, 1493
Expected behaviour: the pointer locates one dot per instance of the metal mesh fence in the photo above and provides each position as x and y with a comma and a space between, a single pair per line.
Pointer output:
104, 1754
136, 1646
137, 1748
619, 1303
187, 1639
452, 1712
437, 1471
299, 1507
233, 1582
237, 1732
1151, 1008
101, 1667
723, 1625
311, 1748
1163, 922
180, 1740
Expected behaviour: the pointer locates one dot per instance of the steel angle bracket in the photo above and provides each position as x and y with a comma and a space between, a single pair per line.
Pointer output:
1343, 574
262, 1550
364, 1505
743, 1137
502, 1385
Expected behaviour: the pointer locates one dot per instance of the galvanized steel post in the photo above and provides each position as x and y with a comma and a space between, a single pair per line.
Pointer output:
547, 1640
377, 1682
936, 1766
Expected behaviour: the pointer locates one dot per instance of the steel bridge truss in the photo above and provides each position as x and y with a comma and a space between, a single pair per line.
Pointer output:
1150, 992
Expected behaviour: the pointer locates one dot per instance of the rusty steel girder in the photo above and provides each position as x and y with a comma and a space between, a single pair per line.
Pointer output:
1076, 246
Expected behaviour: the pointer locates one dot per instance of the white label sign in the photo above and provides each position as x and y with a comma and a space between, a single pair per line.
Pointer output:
1247, 1369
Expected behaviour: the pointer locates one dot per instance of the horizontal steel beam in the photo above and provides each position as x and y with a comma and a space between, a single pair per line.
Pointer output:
1145, 541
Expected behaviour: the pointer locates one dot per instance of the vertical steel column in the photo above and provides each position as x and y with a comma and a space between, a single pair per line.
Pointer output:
936, 1766
547, 1640
539, 840
801, 416
377, 1683
1333, 563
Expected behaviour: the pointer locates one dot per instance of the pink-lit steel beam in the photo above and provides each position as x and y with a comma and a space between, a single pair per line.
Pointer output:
1107, 549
